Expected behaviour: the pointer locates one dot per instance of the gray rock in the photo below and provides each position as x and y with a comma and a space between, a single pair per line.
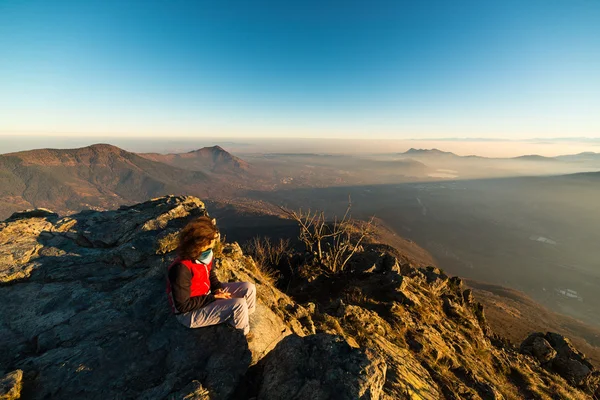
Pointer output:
542, 350
527, 344
558, 355
320, 366
88, 316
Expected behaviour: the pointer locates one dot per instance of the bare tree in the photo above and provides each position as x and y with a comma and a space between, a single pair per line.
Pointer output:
333, 243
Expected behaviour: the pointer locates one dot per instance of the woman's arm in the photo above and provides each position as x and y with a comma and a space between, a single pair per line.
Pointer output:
215, 284
181, 281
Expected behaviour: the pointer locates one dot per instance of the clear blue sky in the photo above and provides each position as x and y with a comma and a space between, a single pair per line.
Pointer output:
385, 69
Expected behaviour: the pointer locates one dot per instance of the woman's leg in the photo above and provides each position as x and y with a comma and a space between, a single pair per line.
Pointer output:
233, 311
246, 290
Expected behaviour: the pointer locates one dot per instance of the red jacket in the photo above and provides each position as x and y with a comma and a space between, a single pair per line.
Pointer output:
190, 285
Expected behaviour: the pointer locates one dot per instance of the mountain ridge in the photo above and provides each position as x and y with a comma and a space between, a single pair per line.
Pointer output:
94, 176
533, 157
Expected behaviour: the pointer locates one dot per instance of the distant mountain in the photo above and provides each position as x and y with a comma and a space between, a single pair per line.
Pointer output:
98, 176
428, 152
581, 157
207, 159
534, 157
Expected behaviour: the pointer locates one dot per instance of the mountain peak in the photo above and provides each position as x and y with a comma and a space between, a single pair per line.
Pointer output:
218, 148
103, 147
217, 159
210, 149
433, 151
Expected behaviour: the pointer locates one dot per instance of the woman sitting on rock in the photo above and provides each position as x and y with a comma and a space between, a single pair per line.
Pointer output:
195, 294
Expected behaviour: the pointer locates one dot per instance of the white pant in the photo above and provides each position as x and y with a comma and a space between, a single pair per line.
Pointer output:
234, 311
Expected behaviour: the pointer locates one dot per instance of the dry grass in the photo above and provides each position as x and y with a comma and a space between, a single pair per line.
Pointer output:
218, 249
267, 253
267, 256
167, 243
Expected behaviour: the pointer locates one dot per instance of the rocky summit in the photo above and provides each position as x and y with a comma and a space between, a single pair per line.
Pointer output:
85, 315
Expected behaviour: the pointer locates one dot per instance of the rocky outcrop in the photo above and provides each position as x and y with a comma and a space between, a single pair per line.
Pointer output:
85, 313
556, 353
431, 333
321, 367
85, 316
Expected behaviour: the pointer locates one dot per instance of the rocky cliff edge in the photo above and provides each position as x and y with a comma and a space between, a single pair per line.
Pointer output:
84, 314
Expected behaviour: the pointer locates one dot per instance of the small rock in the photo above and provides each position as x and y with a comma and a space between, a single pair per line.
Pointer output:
468, 296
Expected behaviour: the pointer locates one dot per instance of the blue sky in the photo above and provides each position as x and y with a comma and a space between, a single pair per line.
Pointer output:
381, 69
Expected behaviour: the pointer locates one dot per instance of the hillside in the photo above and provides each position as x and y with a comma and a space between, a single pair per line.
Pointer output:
510, 313
85, 315
514, 315
98, 176
591, 177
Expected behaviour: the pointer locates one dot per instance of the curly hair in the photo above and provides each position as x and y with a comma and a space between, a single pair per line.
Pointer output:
196, 237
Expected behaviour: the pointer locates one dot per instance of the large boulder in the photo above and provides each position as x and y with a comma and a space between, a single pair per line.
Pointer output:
557, 354
538, 347
320, 367
19, 246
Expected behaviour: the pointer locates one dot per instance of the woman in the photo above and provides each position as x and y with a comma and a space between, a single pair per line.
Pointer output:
195, 294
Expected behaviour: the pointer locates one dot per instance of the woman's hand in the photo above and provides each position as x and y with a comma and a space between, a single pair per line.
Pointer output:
221, 294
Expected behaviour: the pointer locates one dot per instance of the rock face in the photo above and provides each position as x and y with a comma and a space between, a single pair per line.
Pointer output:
321, 367
85, 312
84, 315
557, 354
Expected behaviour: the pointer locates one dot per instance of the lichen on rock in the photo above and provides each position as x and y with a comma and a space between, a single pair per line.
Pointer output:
10, 385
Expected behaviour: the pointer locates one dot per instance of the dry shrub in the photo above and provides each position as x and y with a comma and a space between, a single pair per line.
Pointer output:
333, 243
266, 252
268, 255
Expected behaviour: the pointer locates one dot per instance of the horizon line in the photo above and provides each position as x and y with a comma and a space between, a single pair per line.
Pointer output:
71, 135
